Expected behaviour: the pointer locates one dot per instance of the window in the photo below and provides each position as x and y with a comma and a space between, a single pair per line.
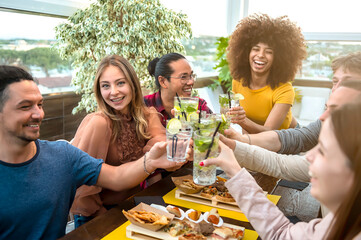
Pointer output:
208, 19
313, 16
331, 29
25, 40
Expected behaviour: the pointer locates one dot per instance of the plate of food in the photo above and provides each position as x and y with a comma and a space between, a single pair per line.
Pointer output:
148, 217
186, 230
152, 223
186, 184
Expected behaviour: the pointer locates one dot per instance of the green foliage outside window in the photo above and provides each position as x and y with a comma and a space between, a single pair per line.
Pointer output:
45, 58
224, 76
138, 30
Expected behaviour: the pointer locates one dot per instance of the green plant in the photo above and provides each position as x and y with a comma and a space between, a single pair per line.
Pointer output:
138, 30
298, 95
224, 76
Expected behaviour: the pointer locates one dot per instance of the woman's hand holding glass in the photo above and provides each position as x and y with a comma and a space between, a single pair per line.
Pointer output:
226, 160
238, 115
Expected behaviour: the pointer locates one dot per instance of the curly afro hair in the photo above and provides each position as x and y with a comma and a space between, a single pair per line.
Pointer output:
280, 33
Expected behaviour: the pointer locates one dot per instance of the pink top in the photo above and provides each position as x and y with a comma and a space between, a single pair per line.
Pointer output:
266, 218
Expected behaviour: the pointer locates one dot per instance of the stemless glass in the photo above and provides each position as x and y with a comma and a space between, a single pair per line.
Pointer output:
224, 103
204, 144
227, 101
224, 119
207, 123
185, 107
178, 143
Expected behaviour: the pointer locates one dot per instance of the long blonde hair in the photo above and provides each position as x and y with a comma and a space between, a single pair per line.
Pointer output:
137, 108
346, 122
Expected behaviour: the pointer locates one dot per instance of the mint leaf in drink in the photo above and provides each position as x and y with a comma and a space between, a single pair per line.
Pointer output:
202, 144
190, 109
223, 101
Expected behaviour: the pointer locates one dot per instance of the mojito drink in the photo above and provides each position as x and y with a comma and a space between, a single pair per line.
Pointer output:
185, 107
207, 124
202, 144
225, 121
224, 103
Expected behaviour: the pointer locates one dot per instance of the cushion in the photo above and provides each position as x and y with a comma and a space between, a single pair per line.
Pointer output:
312, 107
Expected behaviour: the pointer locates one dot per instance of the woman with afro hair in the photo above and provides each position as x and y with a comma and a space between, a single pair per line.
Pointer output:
264, 55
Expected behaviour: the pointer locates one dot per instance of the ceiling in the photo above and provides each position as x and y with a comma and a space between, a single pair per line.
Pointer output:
56, 8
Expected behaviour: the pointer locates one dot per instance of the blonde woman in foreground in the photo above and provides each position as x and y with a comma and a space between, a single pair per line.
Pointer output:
120, 132
335, 172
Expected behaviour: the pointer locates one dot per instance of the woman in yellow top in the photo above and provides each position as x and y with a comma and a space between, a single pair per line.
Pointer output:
264, 55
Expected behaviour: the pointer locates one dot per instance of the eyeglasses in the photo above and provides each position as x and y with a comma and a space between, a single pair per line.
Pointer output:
185, 78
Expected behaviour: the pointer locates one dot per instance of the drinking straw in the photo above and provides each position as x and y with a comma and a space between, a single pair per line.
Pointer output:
174, 146
229, 100
210, 145
199, 118
180, 106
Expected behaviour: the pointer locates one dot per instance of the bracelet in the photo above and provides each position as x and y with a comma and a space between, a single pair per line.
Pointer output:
249, 139
145, 169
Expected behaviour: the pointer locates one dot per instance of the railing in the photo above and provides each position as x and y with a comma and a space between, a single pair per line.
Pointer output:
205, 81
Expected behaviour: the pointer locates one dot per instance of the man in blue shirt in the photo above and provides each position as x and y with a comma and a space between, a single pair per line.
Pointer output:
38, 179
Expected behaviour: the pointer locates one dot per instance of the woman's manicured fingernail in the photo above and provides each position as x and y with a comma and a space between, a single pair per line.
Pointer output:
201, 164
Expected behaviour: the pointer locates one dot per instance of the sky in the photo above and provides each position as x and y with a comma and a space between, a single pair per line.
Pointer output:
16, 25
208, 17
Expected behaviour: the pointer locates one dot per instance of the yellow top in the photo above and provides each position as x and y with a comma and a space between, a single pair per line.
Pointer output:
259, 103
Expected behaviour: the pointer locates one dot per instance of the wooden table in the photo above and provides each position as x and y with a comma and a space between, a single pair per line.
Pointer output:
106, 223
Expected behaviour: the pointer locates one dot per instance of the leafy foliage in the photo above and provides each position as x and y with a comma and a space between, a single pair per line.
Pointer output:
9, 56
224, 76
138, 30
45, 58
298, 95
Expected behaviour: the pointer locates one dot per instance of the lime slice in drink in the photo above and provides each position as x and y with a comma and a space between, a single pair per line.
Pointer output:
174, 125
238, 96
192, 117
176, 107
224, 119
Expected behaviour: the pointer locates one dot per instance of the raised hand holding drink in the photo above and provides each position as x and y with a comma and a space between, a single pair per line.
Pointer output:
178, 138
205, 146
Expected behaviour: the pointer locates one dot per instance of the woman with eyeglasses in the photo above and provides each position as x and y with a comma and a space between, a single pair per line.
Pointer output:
173, 75
264, 55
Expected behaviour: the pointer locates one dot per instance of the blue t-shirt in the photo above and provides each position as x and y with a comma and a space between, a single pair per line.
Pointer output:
36, 195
